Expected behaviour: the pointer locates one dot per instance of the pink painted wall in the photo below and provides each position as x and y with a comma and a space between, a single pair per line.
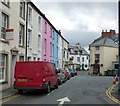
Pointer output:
48, 37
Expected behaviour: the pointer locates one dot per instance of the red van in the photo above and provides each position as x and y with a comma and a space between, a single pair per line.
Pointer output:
35, 75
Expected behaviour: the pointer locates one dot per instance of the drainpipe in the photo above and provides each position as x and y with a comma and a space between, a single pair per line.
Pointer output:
119, 43
26, 32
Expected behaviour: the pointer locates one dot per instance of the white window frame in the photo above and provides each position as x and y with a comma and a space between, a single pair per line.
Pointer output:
6, 2
5, 23
39, 41
22, 9
3, 67
29, 38
29, 15
21, 35
39, 23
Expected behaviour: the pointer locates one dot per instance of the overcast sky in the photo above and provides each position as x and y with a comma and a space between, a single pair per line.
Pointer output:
80, 22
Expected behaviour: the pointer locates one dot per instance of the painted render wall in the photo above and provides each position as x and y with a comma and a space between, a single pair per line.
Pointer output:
33, 50
14, 21
107, 55
55, 50
60, 52
110, 54
48, 37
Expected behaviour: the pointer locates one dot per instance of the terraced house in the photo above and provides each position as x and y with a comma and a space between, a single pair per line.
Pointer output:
26, 34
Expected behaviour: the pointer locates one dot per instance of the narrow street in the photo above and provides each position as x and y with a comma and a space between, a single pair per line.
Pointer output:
82, 89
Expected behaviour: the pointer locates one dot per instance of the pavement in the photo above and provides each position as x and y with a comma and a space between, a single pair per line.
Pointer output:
115, 93
8, 92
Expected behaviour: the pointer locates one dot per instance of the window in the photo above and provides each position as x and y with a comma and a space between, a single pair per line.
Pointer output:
53, 50
21, 58
6, 2
51, 32
53, 35
67, 55
87, 57
39, 23
34, 58
64, 54
50, 49
45, 49
78, 59
97, 57
29, 38
82, 59
21, 35
29, 58
45, 27
22, 9
5, 21
97, 47
29, 15
3, 67
39, 42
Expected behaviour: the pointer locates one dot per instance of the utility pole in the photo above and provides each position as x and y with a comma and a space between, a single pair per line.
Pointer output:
26, 32
119, 43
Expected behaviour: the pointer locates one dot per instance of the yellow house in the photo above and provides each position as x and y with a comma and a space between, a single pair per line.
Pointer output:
103, 53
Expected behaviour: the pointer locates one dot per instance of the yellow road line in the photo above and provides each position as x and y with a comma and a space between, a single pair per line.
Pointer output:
108, 93
9, 98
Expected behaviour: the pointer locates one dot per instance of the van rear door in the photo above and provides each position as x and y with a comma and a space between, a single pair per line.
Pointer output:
29, 74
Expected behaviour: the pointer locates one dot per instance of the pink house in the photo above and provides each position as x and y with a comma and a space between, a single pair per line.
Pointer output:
46, 40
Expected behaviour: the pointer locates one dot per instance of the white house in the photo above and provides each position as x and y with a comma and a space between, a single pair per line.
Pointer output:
79, 56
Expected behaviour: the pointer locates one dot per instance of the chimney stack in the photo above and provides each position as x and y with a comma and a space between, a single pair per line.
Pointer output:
108, 34
60, 32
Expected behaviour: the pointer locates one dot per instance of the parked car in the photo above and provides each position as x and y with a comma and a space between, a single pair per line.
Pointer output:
71, 72
67, 74
61, 76
75, 72
35, 75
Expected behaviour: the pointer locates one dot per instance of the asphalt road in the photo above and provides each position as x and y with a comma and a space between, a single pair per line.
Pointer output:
82, 89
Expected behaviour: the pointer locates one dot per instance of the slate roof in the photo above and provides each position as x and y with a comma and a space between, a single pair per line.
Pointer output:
110, 42
72, 49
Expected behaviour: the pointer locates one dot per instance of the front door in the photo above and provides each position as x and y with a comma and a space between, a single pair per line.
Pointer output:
96, 68
13, 62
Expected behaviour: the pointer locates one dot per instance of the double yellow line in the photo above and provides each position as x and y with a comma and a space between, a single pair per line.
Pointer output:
9, 98
108, 93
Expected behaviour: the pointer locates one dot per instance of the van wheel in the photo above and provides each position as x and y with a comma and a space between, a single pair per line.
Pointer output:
48, 89
20, 91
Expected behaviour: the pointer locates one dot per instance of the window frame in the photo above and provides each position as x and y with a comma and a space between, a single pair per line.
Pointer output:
6, 2
5, 25
22, 6
22, 29
29, 38
4, 67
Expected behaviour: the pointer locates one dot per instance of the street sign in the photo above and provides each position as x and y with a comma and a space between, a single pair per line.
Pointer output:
9, 34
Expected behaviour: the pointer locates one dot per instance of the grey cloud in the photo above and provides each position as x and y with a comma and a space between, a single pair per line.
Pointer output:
97, 9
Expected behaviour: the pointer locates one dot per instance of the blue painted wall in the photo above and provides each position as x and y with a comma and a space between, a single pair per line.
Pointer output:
55, 47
